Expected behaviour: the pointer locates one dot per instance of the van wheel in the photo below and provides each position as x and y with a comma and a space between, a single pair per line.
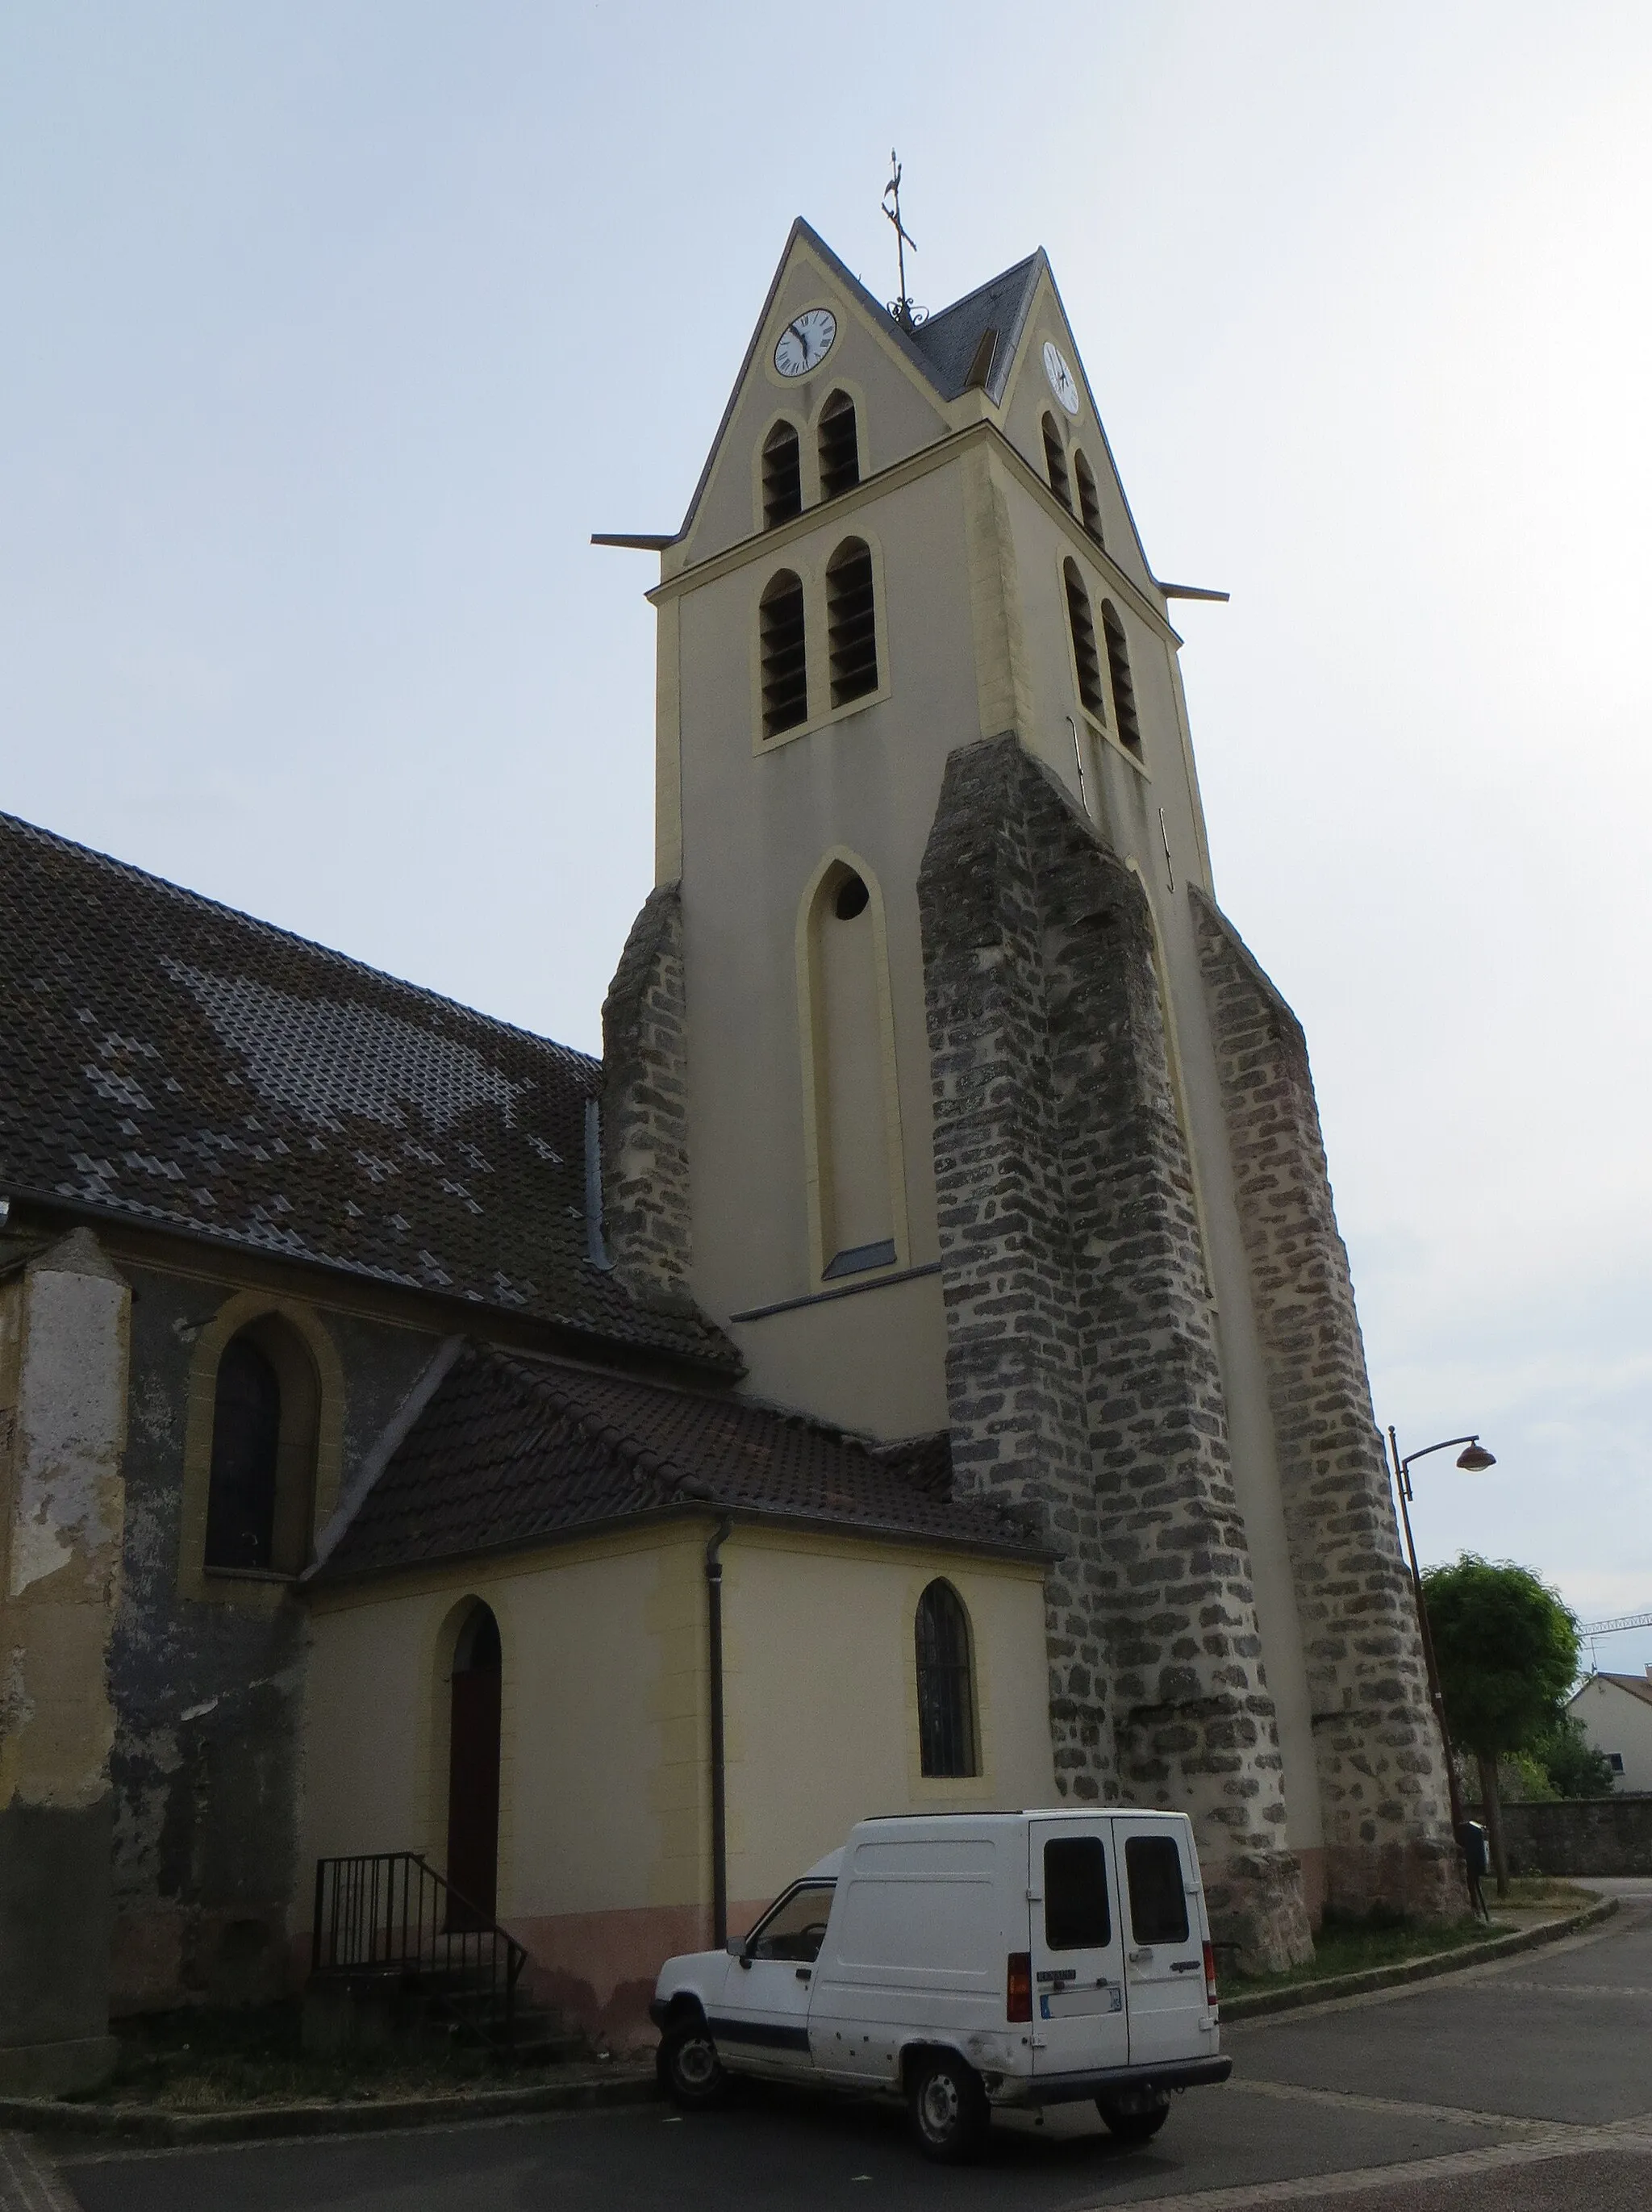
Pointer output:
690, 2072
1136, 2121
947, 2106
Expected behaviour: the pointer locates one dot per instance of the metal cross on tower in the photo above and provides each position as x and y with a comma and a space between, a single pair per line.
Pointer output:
902, 309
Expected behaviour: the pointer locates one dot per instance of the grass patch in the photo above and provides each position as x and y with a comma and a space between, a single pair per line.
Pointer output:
204, 2059
1541, 1889
1352, 1947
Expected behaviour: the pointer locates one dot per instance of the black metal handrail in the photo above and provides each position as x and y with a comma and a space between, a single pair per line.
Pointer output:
390, 1912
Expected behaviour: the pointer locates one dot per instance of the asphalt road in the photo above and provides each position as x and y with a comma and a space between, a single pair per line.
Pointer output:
1523, 2088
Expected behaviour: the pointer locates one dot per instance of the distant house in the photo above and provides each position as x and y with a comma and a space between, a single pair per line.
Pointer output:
1616, 1710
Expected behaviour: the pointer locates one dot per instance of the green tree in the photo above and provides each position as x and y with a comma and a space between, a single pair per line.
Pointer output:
1571, 1762
1506, 1646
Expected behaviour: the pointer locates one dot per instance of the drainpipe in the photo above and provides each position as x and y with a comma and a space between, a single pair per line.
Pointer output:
719, 1780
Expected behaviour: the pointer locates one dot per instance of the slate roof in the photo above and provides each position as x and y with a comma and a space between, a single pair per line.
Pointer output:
515, 1449
170, 1061
948, 340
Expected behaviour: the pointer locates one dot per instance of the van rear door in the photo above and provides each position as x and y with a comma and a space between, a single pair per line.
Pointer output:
1164, 1953
1080, 2021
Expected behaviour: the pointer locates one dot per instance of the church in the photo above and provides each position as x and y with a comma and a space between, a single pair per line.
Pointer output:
916, 1368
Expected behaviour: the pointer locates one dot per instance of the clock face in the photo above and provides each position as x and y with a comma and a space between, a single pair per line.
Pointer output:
1063, 383
803, 344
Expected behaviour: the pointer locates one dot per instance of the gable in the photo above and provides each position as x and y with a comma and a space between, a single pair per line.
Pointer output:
899, 395
1027, 397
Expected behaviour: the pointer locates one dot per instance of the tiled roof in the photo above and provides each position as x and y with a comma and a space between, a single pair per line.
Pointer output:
170, 1061
514, 1450
1638, 1686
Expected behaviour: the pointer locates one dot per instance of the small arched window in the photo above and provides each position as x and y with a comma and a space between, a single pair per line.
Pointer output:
784, 669
782, 476
1118, 667
839, 446
261, 1486
1086, 661
1089, 506
851, 622
946, 1690
1055, 462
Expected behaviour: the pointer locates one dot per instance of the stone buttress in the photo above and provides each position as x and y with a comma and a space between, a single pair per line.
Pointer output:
1377, 1750
63, 1352
645, 1137
1081, 1366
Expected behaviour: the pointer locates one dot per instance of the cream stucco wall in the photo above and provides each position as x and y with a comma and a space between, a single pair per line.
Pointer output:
605, 1734
822, 1691
602, 1712
1618, 1719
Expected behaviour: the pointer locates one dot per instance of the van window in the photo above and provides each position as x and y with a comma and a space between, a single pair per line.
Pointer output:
796, 1926
1159, 1903
1075, 1915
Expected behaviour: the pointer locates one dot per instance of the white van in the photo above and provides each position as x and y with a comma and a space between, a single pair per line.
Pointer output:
967, 1960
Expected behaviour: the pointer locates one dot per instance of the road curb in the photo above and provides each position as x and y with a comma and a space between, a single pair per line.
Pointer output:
154, 2126
1426, 1969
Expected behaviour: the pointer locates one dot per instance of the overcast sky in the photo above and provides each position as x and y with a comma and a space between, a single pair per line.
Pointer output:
332, 331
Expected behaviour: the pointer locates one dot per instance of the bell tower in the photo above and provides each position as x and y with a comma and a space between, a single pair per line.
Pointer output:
932, 1075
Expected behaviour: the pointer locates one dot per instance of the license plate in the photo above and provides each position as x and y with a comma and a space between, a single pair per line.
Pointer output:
1079, 2004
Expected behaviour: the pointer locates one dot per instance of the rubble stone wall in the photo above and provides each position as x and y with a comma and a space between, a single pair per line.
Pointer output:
1083, 1371
1381, 1773
645, 1140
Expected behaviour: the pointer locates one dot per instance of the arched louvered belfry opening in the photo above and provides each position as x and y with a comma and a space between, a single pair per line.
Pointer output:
839, 446
1090, 505
785, 670
473, 1770
1055, 462
853, 1167
851, 622
261, 1485
948, 1742
782, 475
1086, 660
1118, 668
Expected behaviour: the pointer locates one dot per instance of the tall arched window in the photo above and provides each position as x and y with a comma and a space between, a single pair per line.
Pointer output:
839, 446
1055, 462
1089, 506
851, 622
784, 667
1086, 661
473, 1772
782, 476
855, 1153
1118, 667
946, 1691
261, 1486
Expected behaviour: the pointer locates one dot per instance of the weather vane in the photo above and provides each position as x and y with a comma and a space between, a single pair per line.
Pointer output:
904, 311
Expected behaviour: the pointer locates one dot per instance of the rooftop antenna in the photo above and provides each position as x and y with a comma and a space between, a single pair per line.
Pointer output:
902, 309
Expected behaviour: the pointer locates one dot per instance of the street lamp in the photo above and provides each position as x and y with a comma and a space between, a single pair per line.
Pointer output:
1474, 1460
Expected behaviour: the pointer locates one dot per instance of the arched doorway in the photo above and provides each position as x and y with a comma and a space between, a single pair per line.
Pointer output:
473, 1772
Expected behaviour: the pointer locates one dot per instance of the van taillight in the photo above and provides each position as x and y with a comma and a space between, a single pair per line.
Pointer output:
1020, 1986
1210, 1976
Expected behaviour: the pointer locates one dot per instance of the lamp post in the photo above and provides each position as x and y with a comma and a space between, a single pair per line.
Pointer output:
1473, 1460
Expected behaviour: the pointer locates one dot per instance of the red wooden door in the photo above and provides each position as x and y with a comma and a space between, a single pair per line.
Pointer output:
473, 1797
